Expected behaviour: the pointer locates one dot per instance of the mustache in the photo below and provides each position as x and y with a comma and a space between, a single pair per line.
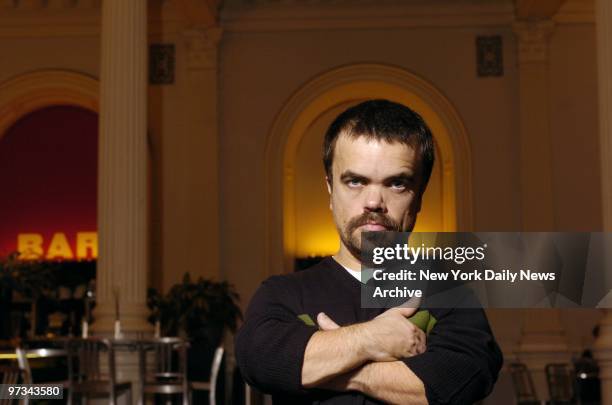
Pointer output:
379, 218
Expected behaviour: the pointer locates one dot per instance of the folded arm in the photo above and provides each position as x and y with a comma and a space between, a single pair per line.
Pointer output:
337, 350
277, 352
270, 344
391, 382
460, 365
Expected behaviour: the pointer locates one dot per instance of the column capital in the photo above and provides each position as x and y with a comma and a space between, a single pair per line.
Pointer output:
201, 45
533, 39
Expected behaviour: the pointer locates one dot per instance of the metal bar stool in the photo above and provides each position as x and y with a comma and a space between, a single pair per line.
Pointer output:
523, 385
210, 386
88, 380
10, 375
168, 376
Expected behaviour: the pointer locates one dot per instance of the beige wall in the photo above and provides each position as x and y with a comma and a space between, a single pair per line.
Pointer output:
574, 128
260, 71
575, 150
277, 65
22, 55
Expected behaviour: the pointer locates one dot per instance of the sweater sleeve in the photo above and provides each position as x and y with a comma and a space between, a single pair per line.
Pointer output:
270, 344
462, 360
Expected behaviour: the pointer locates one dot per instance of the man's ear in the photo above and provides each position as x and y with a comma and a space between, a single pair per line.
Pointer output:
329, 190
328, 184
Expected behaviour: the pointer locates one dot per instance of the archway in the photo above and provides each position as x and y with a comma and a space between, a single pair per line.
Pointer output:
48, 164
32, 91
352, 83
48, 139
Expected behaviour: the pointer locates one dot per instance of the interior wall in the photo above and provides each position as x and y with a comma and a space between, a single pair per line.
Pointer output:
279, 64
315, 230
575, 151
23, 55
574, 128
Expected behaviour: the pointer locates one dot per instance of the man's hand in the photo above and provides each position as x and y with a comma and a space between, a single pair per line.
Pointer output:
390, 322
337, 350
391, 336
325, 322
389, 381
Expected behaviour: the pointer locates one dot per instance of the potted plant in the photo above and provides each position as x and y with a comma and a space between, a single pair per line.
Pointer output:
198, 310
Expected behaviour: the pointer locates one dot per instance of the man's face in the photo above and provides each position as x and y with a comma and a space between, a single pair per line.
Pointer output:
376, 186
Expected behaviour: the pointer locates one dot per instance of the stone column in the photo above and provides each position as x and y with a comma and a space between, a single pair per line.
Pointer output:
542, 337
603, 20
191, 242
535, 138
201, 95
122, 169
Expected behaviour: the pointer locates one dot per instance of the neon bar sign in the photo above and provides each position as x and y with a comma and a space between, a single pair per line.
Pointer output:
31, 246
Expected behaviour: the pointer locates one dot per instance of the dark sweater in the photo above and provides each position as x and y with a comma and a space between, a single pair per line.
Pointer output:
460, 365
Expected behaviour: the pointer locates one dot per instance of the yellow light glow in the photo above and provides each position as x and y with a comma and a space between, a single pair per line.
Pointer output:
59, 247
322, 243
87, 242
300, 128
29, 246
13, 356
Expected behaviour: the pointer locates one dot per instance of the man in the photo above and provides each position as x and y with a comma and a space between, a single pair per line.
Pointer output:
378, 158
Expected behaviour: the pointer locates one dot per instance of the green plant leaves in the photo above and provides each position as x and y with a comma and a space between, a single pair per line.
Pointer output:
200, 310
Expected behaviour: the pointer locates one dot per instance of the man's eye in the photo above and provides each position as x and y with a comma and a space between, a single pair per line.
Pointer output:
398, 185
354, 183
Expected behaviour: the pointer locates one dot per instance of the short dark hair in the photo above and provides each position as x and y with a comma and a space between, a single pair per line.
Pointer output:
382, 120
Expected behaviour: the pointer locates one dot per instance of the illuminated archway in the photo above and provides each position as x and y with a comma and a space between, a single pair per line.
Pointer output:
49, 93
357, 82
29, 92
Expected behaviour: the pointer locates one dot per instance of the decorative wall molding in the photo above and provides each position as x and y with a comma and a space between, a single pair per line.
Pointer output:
533, 40
300, 15
49, 4
536, 9
76, 18
576, 12
61, 4
200, 12
26, 93
52, 18
201, 45
340, 14
489, 55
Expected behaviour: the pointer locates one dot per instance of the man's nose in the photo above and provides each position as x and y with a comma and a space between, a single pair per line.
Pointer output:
374, 201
